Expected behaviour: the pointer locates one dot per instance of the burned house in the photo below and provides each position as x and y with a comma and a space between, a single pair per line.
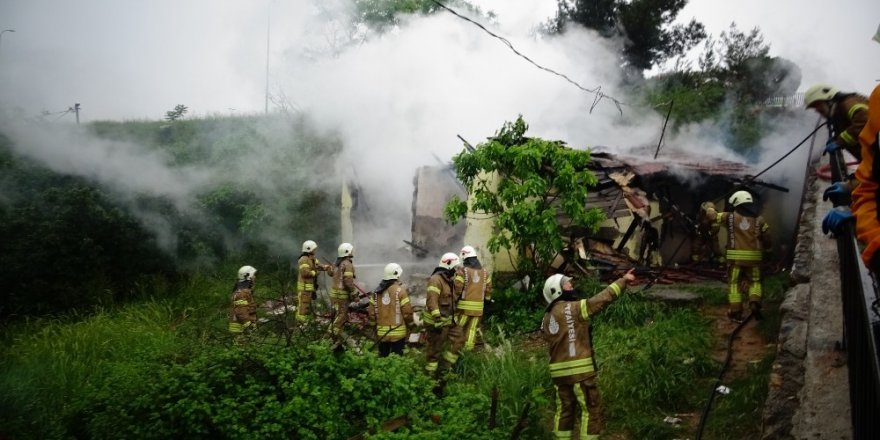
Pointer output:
652, 210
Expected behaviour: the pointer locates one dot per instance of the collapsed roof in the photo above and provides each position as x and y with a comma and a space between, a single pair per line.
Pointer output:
651, 206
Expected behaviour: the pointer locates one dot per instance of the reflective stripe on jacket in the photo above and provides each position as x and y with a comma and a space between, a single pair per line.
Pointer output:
477, 287
391, 313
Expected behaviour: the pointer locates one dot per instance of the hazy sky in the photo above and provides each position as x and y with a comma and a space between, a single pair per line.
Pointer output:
132, 59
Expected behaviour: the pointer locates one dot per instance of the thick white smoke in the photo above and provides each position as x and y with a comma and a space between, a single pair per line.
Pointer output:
396, 100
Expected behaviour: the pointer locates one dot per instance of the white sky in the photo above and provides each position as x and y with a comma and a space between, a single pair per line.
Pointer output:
132, 59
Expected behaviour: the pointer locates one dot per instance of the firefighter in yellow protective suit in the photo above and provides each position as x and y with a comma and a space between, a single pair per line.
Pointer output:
390, 312
746, 240
307, 279
476, 288
243, 316
343, 290
846, 112
566, 328
439, 311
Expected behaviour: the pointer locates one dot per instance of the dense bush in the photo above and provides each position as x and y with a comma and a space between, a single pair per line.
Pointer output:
66, 243
260, 391
71, 242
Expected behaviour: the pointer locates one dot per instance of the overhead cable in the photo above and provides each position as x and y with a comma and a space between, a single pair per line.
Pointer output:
597, 91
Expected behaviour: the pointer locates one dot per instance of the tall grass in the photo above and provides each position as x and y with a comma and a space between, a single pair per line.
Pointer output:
651, 360
519, 375
49, 365
738, 415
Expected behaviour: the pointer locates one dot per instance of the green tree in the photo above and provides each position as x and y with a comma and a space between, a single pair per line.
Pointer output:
178, 112
645, 25
741, 60
525, 184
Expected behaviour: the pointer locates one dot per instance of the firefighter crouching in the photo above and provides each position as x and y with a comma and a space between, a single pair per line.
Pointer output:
390, 312
342, 290
437, 316
307, 279
244, 310
746, 237
566, 328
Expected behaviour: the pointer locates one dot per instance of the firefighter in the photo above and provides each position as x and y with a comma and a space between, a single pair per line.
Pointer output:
846, 112
474, 286
746, 239
343, 290
307, 280
244, 310
439, 308
704, 246
865, 196
390, 312
566, 328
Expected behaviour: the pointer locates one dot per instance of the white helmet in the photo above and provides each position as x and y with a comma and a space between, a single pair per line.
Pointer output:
740, 197
246, 273
819, 92
553, 287
345, 250
309, 246
393, 271
449, 260
467, 252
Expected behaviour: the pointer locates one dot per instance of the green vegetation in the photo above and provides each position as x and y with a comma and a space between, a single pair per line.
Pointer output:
525, 184
167, 368
645, 26
112, 335
70, 242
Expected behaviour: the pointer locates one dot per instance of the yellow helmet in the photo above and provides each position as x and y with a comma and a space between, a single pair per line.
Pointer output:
740, 197
819, 92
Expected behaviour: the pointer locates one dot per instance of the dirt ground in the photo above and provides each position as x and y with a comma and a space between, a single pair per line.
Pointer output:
748, 346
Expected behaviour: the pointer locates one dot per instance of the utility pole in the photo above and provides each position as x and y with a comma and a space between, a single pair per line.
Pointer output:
268, 28
76, 110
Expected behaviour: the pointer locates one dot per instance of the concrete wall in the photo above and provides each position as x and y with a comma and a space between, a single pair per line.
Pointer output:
809, 386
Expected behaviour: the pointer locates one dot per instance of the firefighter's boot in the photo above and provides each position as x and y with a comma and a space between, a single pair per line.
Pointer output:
756, 310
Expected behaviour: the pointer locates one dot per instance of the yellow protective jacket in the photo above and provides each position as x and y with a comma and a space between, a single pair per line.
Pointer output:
244, 308
439, 301
746, 236
343, 281
391, 313
476, 287
566, 328
865, 196
848, 116
308, 273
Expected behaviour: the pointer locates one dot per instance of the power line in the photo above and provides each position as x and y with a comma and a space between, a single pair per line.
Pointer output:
599, 95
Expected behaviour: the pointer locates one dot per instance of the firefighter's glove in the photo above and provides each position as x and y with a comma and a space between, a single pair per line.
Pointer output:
314, 295
836, 219
838, 193
831, 147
